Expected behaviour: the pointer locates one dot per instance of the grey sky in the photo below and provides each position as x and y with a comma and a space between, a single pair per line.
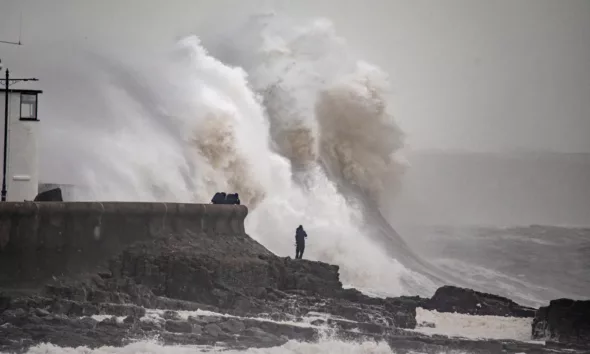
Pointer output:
467, 74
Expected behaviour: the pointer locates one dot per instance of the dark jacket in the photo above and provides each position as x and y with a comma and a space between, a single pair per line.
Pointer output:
300, 235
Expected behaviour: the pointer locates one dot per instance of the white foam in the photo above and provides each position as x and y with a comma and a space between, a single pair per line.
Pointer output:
153, 315
100, 318
149, 347
473, 327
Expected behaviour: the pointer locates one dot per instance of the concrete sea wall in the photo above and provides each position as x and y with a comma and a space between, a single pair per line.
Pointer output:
45, 239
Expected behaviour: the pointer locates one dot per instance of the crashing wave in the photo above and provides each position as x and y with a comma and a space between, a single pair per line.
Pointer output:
284, 116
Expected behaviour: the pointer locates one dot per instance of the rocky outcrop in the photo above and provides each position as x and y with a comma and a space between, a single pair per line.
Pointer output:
564, 320
149, 284
467, 301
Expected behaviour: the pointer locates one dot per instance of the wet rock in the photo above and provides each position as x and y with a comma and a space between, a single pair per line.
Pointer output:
236, 276
171, 315
111, 321
4, 302
41, 312
213, 330
174, 304
232, 326
81, 309
209, 319
565, 321
427, 325
262, 336
67, 292
197, 329
122, 310
87, 322
130, 319
178, 326
279, 316
105, 274
467, 301
149, 326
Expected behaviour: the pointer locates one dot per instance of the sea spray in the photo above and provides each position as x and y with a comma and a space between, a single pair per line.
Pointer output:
269, 125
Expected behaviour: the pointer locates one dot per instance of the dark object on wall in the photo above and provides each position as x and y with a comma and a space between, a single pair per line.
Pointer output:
232, 199
218, 198
52, 195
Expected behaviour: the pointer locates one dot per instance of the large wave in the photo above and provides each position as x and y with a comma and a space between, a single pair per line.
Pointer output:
283, 115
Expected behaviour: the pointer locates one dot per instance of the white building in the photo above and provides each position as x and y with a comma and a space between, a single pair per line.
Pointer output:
22, 175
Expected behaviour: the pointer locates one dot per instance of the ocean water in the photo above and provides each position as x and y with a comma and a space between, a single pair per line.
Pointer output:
529, 264
302, 129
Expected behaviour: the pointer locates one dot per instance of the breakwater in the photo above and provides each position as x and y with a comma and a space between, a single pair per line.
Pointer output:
46, 239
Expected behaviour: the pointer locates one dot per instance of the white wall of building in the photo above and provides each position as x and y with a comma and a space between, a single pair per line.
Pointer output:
22, 175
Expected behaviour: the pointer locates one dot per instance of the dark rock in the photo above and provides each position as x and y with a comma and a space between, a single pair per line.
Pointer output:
122, 310
209, 319
232, 326
404, 310
467, 301
41, 312
236, 276
111, 321
565, 321
67, 292
105, 274
4, 302
171, 315
279, 316
264, 337
213, 330
318, 322
178, 326
130, 319
87, 322
174, 304
82, 309
197, 329
150, 326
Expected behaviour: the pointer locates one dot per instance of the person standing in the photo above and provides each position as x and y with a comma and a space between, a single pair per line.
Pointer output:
300, 236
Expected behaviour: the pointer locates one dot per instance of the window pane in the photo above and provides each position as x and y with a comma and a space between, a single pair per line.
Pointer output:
28, 106
28, 98
28, 111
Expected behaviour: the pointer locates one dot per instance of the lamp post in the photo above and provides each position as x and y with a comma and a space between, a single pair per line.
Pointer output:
5, 150
7, 82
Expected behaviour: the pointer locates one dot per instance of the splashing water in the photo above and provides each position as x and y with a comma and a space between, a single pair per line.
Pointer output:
285, 117
334, 346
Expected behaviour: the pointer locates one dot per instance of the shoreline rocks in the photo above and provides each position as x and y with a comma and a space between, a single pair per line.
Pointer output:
453, 299
263, 299
564, 320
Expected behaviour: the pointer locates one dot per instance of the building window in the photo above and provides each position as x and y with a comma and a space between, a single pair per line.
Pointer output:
28, 106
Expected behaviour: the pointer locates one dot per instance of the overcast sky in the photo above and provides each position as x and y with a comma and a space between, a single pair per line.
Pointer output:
474, 75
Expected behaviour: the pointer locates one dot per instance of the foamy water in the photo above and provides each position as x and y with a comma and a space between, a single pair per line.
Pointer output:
473, 327
429, 322
145, 347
